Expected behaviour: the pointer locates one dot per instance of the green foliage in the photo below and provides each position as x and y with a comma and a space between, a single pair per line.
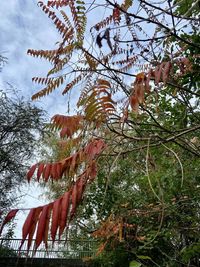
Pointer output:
187, 7
7, 252
113, 258
21, 126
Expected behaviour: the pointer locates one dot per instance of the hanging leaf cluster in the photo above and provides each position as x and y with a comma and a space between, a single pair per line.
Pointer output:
97, 102
54, 217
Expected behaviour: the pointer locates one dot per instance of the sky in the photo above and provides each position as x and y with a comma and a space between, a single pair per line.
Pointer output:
22, 26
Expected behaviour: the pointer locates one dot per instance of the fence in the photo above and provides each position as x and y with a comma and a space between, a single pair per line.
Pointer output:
68, 249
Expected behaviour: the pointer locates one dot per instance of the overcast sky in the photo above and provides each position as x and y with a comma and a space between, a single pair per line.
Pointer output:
22, 26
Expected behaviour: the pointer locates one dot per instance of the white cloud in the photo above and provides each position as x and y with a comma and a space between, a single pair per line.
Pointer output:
23, 25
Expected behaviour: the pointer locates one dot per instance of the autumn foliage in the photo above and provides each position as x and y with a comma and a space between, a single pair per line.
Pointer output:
116, 83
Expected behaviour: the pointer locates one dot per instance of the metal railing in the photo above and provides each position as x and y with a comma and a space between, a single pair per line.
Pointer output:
68, 249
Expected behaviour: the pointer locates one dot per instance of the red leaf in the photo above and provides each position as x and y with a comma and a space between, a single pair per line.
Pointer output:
55, 218
94, 148
40, 170
65, 131
53, 171
33, 226
116, 15
65, 204
27, 225
100, 146
93, 171
41, 226
166, 71
46, 172
74, 201
46, 230
59, 171
74, 162
158, 72
8, 218
80, 188
31, 172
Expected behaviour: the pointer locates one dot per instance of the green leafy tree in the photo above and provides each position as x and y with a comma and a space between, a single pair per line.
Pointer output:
21, 127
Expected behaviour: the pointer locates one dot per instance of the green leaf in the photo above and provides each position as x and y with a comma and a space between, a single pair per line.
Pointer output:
142, 257
134, 264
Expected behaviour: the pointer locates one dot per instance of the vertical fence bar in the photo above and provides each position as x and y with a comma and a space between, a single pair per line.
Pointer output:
68, 249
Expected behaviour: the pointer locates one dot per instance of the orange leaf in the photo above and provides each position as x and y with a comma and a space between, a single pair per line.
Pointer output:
55, 218
147, 85
41, 226
33, 226
46, 230
80, 188
65, 204
134, 103
27, 225
74, 201
139, 92
103, 82
140, 77
101, 248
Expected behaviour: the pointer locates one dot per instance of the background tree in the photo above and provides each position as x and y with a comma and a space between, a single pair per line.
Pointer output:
21, 127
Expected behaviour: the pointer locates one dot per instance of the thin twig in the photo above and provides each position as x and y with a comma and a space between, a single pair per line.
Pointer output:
108, 178
180, 163
147, 171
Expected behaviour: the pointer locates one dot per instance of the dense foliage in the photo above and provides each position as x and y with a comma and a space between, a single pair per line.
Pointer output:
21, 126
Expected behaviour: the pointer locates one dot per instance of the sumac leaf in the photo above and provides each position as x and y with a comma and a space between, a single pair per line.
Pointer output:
33, 226
134, 103
31, 172
55, 218
47, 222
8, 218
40, 170
65, 204
74, 201
41, 226
46, 172
27, 226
